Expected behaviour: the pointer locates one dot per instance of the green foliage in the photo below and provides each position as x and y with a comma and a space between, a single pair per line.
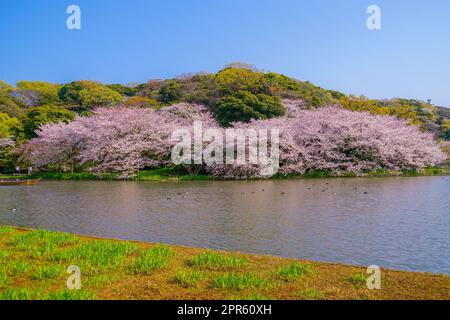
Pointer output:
221, 93
285, 87
280, 84
70, 92
188, 279
36, 294
47, 92
19, 294
98, 281
4, 279
415, 112
239, 92
123, 90
141, 102
170, 173
6, 230
200, 89
358, 279
43, 237
294, 271
318, 174
232, 80
245, 106
3, 253
4, 86
41, 242
151, 260
235, 281
14, 267
38, 116
393, 108
9, 126
8, 160
9, 106
336, 94
88, 94
48, 272
96, 256
311, 294
95, 95
170, 92
67, 294
214, 261
69, 176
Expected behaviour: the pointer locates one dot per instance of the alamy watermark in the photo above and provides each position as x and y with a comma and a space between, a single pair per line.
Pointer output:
374, 19
374, 279
74, 280
73, 22
235, 147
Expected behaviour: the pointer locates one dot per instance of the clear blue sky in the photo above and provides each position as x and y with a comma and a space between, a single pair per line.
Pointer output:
325, 42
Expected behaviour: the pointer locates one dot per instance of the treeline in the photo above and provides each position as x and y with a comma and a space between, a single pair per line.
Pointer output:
237, 93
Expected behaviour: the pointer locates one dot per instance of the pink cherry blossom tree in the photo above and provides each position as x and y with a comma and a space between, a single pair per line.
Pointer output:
339, 141
331, 139
118, 139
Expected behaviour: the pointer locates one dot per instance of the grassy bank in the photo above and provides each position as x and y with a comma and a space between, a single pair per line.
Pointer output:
34, 263
173, 174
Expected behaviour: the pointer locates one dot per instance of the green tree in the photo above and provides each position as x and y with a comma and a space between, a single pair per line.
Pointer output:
285, 87
9, 106
70, 92
97, 95
5, 86
245, 106
232, 80
7, 103
10, 129
47, 93
393, 108
38, 116
170, 92
88, 94
123, 90
8, 159
10, 126
336, 94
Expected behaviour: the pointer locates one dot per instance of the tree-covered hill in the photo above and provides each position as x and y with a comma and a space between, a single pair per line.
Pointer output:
239, 92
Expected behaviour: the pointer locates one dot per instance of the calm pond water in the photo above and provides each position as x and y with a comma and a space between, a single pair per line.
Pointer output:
401, 223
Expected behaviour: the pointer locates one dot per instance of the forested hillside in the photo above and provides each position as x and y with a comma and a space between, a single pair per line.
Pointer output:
237, 93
